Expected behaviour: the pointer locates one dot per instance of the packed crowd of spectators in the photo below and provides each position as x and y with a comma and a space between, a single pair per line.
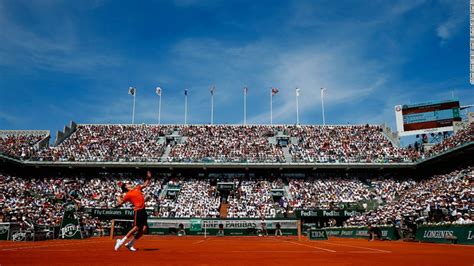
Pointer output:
226, 144
388, 189
253, 199
326, 193
442, 198
42, 200
19, 146
461, 137
109, 143
345, 144
196, 198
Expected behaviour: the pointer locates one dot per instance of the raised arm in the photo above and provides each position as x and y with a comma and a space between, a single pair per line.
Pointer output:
147, 180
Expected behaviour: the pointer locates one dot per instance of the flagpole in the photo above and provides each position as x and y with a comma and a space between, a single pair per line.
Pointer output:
271, 107
297, 109
133, 91
186, 108
245, 106
159, 111
322, 105
212, 105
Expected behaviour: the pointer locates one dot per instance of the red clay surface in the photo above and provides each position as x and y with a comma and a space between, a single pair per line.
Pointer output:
170, 250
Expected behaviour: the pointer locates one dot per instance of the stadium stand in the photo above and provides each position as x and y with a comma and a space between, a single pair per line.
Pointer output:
21, 144
345, 144
109, 143
461, 137
393, 197
226, 144
436, 199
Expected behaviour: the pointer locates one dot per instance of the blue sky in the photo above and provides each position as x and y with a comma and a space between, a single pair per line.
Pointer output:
74, 60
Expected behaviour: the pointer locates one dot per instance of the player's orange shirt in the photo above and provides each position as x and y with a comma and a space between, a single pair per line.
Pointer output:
135, 196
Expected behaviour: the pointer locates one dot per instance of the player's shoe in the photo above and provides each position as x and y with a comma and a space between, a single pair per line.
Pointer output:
130, 247
119, 243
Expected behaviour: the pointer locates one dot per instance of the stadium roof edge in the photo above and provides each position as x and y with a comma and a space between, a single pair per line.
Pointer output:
27, 131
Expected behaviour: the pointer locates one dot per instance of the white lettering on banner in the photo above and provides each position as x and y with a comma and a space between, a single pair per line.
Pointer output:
346, 233
69, 230
333, 232
330, 213
470, 236
438, 234
309, 213
229, 224
317, 234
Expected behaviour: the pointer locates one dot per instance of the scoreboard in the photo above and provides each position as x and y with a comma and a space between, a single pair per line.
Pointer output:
429, 117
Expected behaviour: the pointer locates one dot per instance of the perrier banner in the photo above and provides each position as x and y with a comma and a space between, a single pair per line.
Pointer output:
70, 228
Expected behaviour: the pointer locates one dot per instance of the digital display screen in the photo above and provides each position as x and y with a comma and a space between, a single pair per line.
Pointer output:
430, 115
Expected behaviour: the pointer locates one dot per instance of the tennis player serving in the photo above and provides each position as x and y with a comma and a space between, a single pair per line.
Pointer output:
135, 196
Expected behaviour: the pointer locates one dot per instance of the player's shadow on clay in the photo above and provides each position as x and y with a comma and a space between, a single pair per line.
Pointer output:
149, 249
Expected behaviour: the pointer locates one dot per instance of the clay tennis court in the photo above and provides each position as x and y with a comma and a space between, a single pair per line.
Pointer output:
235, 251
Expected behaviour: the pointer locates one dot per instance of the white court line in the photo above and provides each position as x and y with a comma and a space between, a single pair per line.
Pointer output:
47, 246
199, 242
373, 249
328, 250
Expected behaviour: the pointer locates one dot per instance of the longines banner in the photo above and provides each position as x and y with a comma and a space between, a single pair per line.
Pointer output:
326, 213
460, 234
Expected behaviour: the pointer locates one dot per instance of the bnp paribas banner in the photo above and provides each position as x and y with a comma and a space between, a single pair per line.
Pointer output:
70, 228
460, 234
229, 226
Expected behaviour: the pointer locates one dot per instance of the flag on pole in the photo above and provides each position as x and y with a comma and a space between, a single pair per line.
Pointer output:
158, 91
131, 91
274, 91
297, 92
213, 89
246, 90
185, 92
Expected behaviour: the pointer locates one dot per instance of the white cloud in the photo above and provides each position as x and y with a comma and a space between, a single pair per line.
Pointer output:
458, 12
58, 48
